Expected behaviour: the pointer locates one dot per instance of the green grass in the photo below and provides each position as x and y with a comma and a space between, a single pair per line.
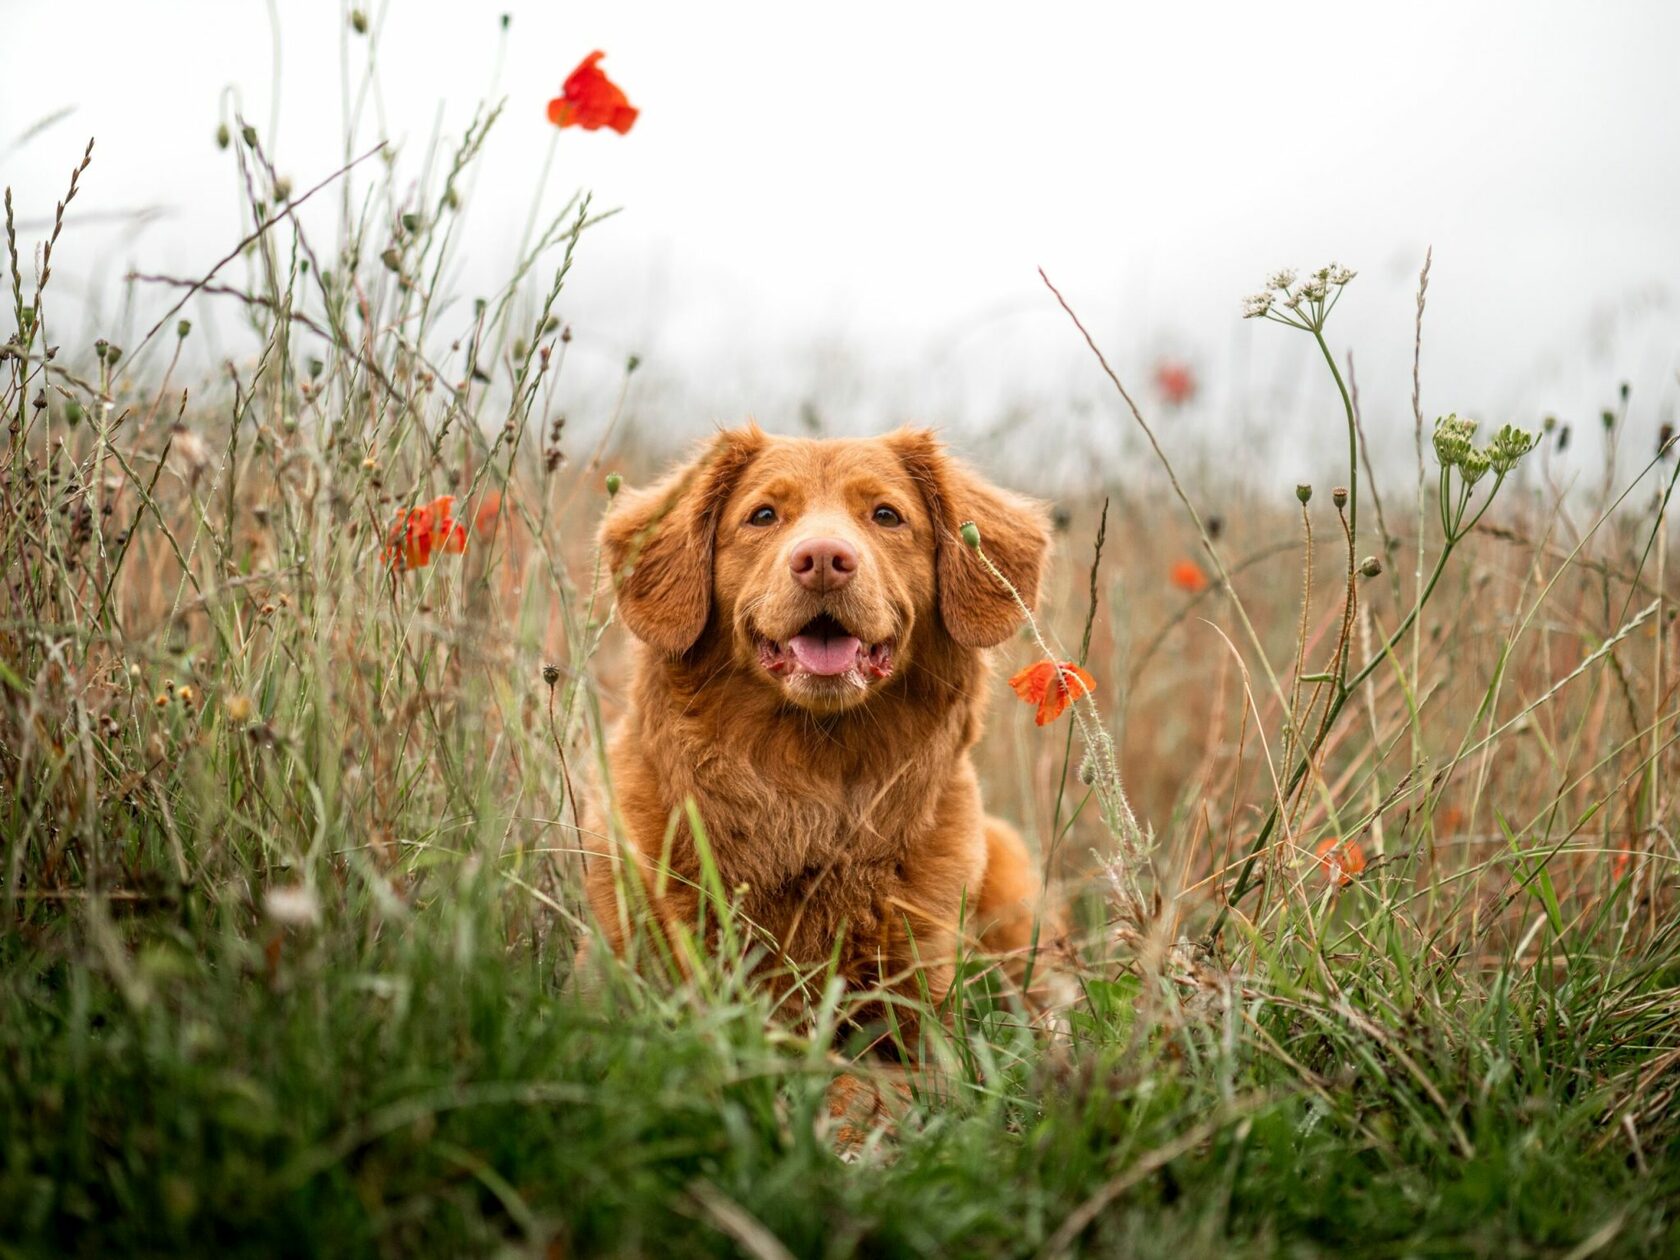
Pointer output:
290, 896
424, 1091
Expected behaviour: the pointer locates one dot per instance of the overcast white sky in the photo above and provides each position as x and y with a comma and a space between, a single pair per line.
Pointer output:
848, 204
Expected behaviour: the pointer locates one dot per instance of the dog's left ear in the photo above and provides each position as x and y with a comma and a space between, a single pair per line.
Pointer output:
658, 542
1014, 533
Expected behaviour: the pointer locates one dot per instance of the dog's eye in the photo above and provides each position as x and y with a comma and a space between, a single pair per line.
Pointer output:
886, 517
762, 515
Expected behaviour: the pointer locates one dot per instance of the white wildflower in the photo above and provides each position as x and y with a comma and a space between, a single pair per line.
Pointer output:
1256, 305
1281, 280
293, 906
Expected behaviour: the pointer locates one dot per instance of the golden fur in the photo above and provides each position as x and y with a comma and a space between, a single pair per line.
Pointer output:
839, 808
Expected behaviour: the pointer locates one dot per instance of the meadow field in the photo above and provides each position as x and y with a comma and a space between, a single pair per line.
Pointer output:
1365, 842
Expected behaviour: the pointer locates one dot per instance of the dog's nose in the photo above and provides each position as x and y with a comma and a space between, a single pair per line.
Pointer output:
823, 564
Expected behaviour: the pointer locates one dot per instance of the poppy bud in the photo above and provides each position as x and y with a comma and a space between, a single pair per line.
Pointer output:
1624, 391
99, 349
1060, 519
970, 534
1549, 423
183, 328
451, 198
551, 674
1609, 418
635, 362
112, 354
1370, 566
222, 136
1338, 496
248, 134
520, 349
506, 19
391, 259
411, 222
358, 21
72, 413
614, 481
1304, 493
1665, 436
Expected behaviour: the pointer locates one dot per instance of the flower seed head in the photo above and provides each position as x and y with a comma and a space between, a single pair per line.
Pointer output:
1304, 493
1509, 445
614, 481
1338, 496
970, 534
551, 674
1370, 566
1453, 439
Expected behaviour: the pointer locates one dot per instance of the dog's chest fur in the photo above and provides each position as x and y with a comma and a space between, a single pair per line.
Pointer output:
820, 828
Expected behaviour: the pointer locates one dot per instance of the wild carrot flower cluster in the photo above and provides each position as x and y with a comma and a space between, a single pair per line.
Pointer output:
1456, 450
1302, 304
1455, 447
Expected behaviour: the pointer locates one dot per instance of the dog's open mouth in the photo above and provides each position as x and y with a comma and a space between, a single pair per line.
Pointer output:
824, 648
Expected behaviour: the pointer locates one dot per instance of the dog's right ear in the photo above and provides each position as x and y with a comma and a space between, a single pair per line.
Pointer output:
658, 542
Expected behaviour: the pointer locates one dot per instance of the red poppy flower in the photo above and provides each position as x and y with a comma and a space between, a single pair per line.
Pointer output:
590, 100
1051, 687
418, 532
1176, 382
1187, 575
1341, 860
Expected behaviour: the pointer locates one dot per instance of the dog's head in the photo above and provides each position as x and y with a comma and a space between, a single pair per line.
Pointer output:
825, 568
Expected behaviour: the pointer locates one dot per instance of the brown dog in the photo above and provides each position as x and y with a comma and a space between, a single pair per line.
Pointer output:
811, 673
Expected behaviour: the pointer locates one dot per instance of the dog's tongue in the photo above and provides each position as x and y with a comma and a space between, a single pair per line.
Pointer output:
818, 655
